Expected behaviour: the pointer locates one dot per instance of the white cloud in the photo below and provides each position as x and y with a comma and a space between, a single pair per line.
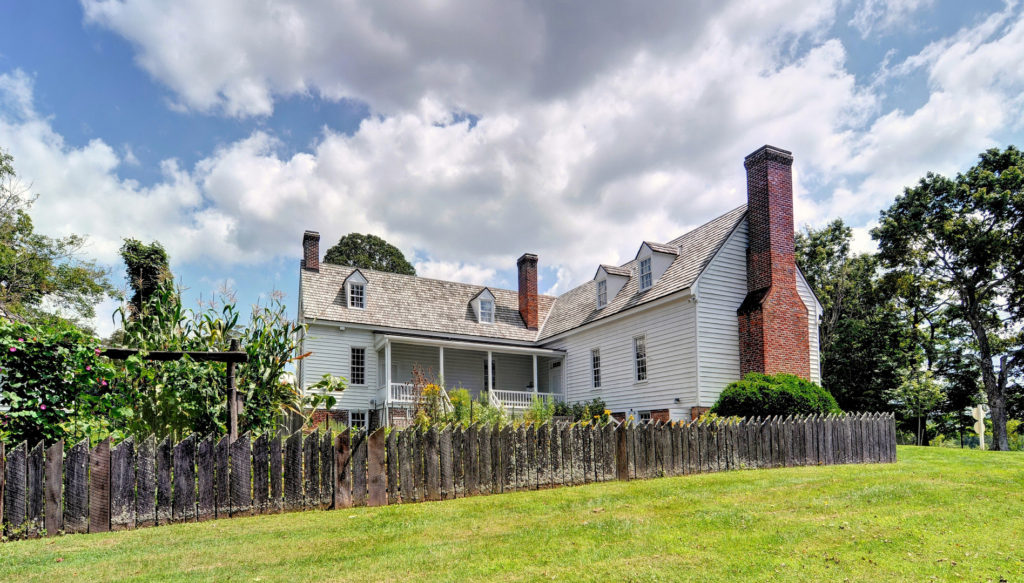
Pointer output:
593, 133
883, 16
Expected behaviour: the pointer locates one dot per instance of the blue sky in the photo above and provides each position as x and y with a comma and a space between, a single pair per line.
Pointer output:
470, 132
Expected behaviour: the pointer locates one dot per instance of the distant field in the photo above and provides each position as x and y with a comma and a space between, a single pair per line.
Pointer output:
938, 514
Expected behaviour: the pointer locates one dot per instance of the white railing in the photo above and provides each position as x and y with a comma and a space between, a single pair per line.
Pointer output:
406, 394
517, 400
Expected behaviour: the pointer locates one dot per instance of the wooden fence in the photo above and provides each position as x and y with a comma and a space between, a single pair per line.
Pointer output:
146, 483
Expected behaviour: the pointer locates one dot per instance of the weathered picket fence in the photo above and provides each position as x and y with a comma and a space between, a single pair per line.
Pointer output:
146, 483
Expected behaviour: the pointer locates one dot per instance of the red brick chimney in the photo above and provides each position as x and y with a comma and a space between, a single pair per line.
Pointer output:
528, 303
311, 250
772, 319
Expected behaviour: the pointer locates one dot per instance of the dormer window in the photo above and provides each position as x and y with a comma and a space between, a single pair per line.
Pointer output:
483, 306
602, 293
646, 280
486, 311
355, 290
357, 296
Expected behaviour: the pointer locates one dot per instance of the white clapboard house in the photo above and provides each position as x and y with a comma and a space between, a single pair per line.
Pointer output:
658, 337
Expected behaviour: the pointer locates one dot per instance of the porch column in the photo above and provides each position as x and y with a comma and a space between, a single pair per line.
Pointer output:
387, 379
535, 386
490, 372
440, 360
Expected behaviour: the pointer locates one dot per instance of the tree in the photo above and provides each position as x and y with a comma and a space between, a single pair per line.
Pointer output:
863, 340
42, 277
917, 398
963, 239
146, 267
368, 252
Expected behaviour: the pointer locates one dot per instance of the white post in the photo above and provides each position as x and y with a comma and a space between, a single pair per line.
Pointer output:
535, 386
440, 359
490, 372
387, 378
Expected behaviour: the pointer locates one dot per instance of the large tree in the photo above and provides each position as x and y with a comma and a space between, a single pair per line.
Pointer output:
963, 239
865, 344
42, 276
369, 252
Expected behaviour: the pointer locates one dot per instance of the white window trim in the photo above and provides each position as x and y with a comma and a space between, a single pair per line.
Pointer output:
363, 415
351, 287
483, 312
636, 357
602, 293
595, 368
650, 273
365, 366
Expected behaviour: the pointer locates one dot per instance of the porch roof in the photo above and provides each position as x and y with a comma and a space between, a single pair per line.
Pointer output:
380, 339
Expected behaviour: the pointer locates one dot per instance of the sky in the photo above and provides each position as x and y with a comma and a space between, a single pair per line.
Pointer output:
468, 132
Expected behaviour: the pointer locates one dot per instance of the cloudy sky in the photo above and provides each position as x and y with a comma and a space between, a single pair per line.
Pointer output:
469, 132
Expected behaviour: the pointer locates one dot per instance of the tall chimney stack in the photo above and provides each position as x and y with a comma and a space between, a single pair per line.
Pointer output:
773, 321
311, 250
528, 303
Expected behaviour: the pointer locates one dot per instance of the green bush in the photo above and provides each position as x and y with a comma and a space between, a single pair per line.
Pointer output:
762, 395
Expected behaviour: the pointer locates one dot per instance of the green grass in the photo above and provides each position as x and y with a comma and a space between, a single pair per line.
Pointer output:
938, 514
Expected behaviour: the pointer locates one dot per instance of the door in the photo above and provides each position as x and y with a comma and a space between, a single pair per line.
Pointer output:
555, 378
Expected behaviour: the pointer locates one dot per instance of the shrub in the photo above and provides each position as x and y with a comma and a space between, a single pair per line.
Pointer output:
759, 394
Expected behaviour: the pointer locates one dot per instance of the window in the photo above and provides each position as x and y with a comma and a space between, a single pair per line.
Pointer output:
357, 371
645, 417
489, 379
602, 293
357, 296
487, 311
357, 419
640, 358
595, 363
645, 273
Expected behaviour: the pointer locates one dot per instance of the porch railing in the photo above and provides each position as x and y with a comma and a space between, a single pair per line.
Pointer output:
516, 400
406, 394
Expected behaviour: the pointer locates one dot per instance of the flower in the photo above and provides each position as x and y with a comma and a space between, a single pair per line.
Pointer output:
13, 349
104, 383
21, 339
43, 407
88, 367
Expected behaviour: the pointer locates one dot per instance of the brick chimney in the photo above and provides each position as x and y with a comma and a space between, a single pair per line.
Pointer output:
311, 250
528, 303
772, 319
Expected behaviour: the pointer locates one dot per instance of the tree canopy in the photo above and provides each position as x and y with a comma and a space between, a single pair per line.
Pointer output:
959, 246
146, 267
369, 252
40, 276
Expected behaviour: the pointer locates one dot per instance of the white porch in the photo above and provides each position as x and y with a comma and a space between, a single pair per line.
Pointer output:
511, 376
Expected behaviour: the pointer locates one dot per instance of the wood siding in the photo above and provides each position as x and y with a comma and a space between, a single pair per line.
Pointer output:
670, 331
812, 325
720, 291
331, 352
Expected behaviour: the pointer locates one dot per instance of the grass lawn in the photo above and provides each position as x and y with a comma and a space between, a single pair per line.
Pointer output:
939, 514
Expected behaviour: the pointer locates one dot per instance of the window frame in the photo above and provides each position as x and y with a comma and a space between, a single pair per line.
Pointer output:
595, 368
641, 366
648, 275
494, 377
352, 295
602, 293
352, 365
364, 417
485, 313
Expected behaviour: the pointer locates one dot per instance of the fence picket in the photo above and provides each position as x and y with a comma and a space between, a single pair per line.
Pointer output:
343, 470
206, 494
432, 464
163, 481
376, 470
222, 476
276, 473
447, 468
99, 487
122, 485
392, 461
311, 469
405, 465
241, 476
54, 517
472, 463
292, 472
359, 453
458, 462
183, 507
260, 474
34, 504
484, 471
16, 488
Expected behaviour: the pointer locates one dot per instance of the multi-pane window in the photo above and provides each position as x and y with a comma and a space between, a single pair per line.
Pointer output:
645, 273
640, 357
357, 419
357, 296
358, 369
645, 417
595, 365
602, 293
487, 311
